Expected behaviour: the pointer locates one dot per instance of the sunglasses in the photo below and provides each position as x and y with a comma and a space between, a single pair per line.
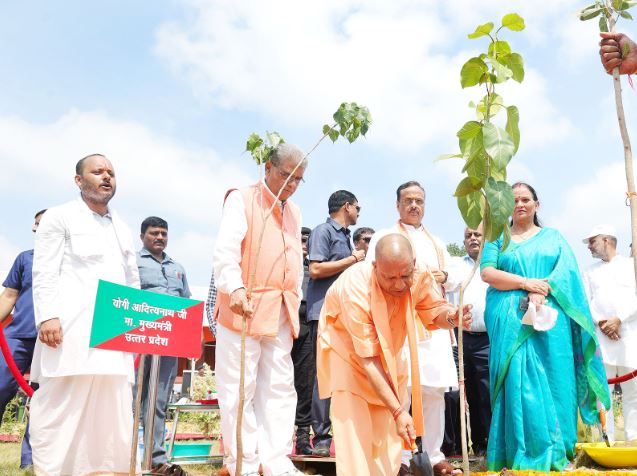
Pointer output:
367, 239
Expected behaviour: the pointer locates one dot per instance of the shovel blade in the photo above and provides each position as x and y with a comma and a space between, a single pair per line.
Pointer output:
421, 465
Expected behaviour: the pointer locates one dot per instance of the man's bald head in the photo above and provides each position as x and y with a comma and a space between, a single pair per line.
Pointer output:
394, 264
394, 247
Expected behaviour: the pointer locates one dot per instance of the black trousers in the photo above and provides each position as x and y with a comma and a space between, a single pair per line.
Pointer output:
476, 368
304, 360
321, 423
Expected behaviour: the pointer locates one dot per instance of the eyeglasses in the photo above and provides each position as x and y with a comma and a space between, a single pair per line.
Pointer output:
284, 175
358, 208
367, 239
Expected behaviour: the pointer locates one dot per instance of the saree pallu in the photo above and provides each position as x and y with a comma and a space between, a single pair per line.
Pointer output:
539, 379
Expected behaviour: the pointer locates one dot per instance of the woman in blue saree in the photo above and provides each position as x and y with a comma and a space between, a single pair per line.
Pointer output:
538, 379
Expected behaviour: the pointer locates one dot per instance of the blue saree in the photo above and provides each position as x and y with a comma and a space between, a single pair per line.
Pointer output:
539, 379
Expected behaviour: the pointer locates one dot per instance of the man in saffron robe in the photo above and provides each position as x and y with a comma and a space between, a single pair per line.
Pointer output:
367, 314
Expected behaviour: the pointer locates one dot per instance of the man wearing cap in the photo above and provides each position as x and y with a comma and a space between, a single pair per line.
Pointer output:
610, 285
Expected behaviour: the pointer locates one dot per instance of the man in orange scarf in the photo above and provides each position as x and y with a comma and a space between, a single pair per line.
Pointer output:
366, 316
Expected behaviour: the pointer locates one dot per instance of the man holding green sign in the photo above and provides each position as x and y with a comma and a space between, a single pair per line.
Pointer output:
81, 417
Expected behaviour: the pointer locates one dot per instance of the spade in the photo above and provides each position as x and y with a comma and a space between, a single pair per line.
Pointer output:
420, 464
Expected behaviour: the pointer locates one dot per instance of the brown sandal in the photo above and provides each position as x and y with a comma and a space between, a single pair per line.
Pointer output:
444, 468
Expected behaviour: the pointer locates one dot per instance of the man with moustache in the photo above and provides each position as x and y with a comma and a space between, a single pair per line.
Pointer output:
271, 313
81, 416
437, 367
361, 237
475, 342
159, 273
610, 286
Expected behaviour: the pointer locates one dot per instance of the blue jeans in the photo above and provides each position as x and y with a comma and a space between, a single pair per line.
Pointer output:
22, 351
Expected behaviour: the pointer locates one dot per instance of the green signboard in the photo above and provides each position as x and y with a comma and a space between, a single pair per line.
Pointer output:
143, 322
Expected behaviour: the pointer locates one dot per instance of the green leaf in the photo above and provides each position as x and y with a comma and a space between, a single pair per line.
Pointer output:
469, 130
330, 132
481, 30
617, 4
468, 185
447, 156
254, 141
603, 24
498, 175
628, 4
472, 72
496, 105
501, 202
625, 14
512, 126
476, 160
490, 230
502, 72
274, 138
498, 145
499, 49
513, 22
515, 63
590, 12
471, 208
506, 236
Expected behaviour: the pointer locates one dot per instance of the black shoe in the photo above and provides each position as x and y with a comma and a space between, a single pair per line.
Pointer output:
303, 446
322, 449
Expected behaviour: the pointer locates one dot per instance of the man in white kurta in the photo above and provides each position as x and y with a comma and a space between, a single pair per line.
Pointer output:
435, 356
610, 285
271, 312
475, 346
81, 416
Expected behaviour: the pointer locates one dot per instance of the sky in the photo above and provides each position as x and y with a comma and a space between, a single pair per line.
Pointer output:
170, 90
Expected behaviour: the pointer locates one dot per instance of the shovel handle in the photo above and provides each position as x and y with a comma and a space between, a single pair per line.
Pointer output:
602, 418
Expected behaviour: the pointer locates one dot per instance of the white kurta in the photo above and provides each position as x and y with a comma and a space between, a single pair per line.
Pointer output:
268, 418
475, 293
435, 356
81, 416
611, 291
74, 248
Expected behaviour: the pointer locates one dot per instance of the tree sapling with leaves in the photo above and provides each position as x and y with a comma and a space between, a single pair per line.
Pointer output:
486, 148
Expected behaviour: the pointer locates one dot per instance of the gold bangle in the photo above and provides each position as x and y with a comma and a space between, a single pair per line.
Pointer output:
523, 286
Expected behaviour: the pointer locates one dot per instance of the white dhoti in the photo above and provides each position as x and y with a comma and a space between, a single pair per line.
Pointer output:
82, 425
270, 399
433, 412
629, 403
437, 374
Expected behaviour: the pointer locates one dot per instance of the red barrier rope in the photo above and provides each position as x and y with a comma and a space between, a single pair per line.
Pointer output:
622, 378
6, 352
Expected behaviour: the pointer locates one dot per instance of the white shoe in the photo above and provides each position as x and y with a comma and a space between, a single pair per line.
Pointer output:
295, 472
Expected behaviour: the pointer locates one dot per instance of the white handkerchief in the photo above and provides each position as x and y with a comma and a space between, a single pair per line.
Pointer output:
541, 317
